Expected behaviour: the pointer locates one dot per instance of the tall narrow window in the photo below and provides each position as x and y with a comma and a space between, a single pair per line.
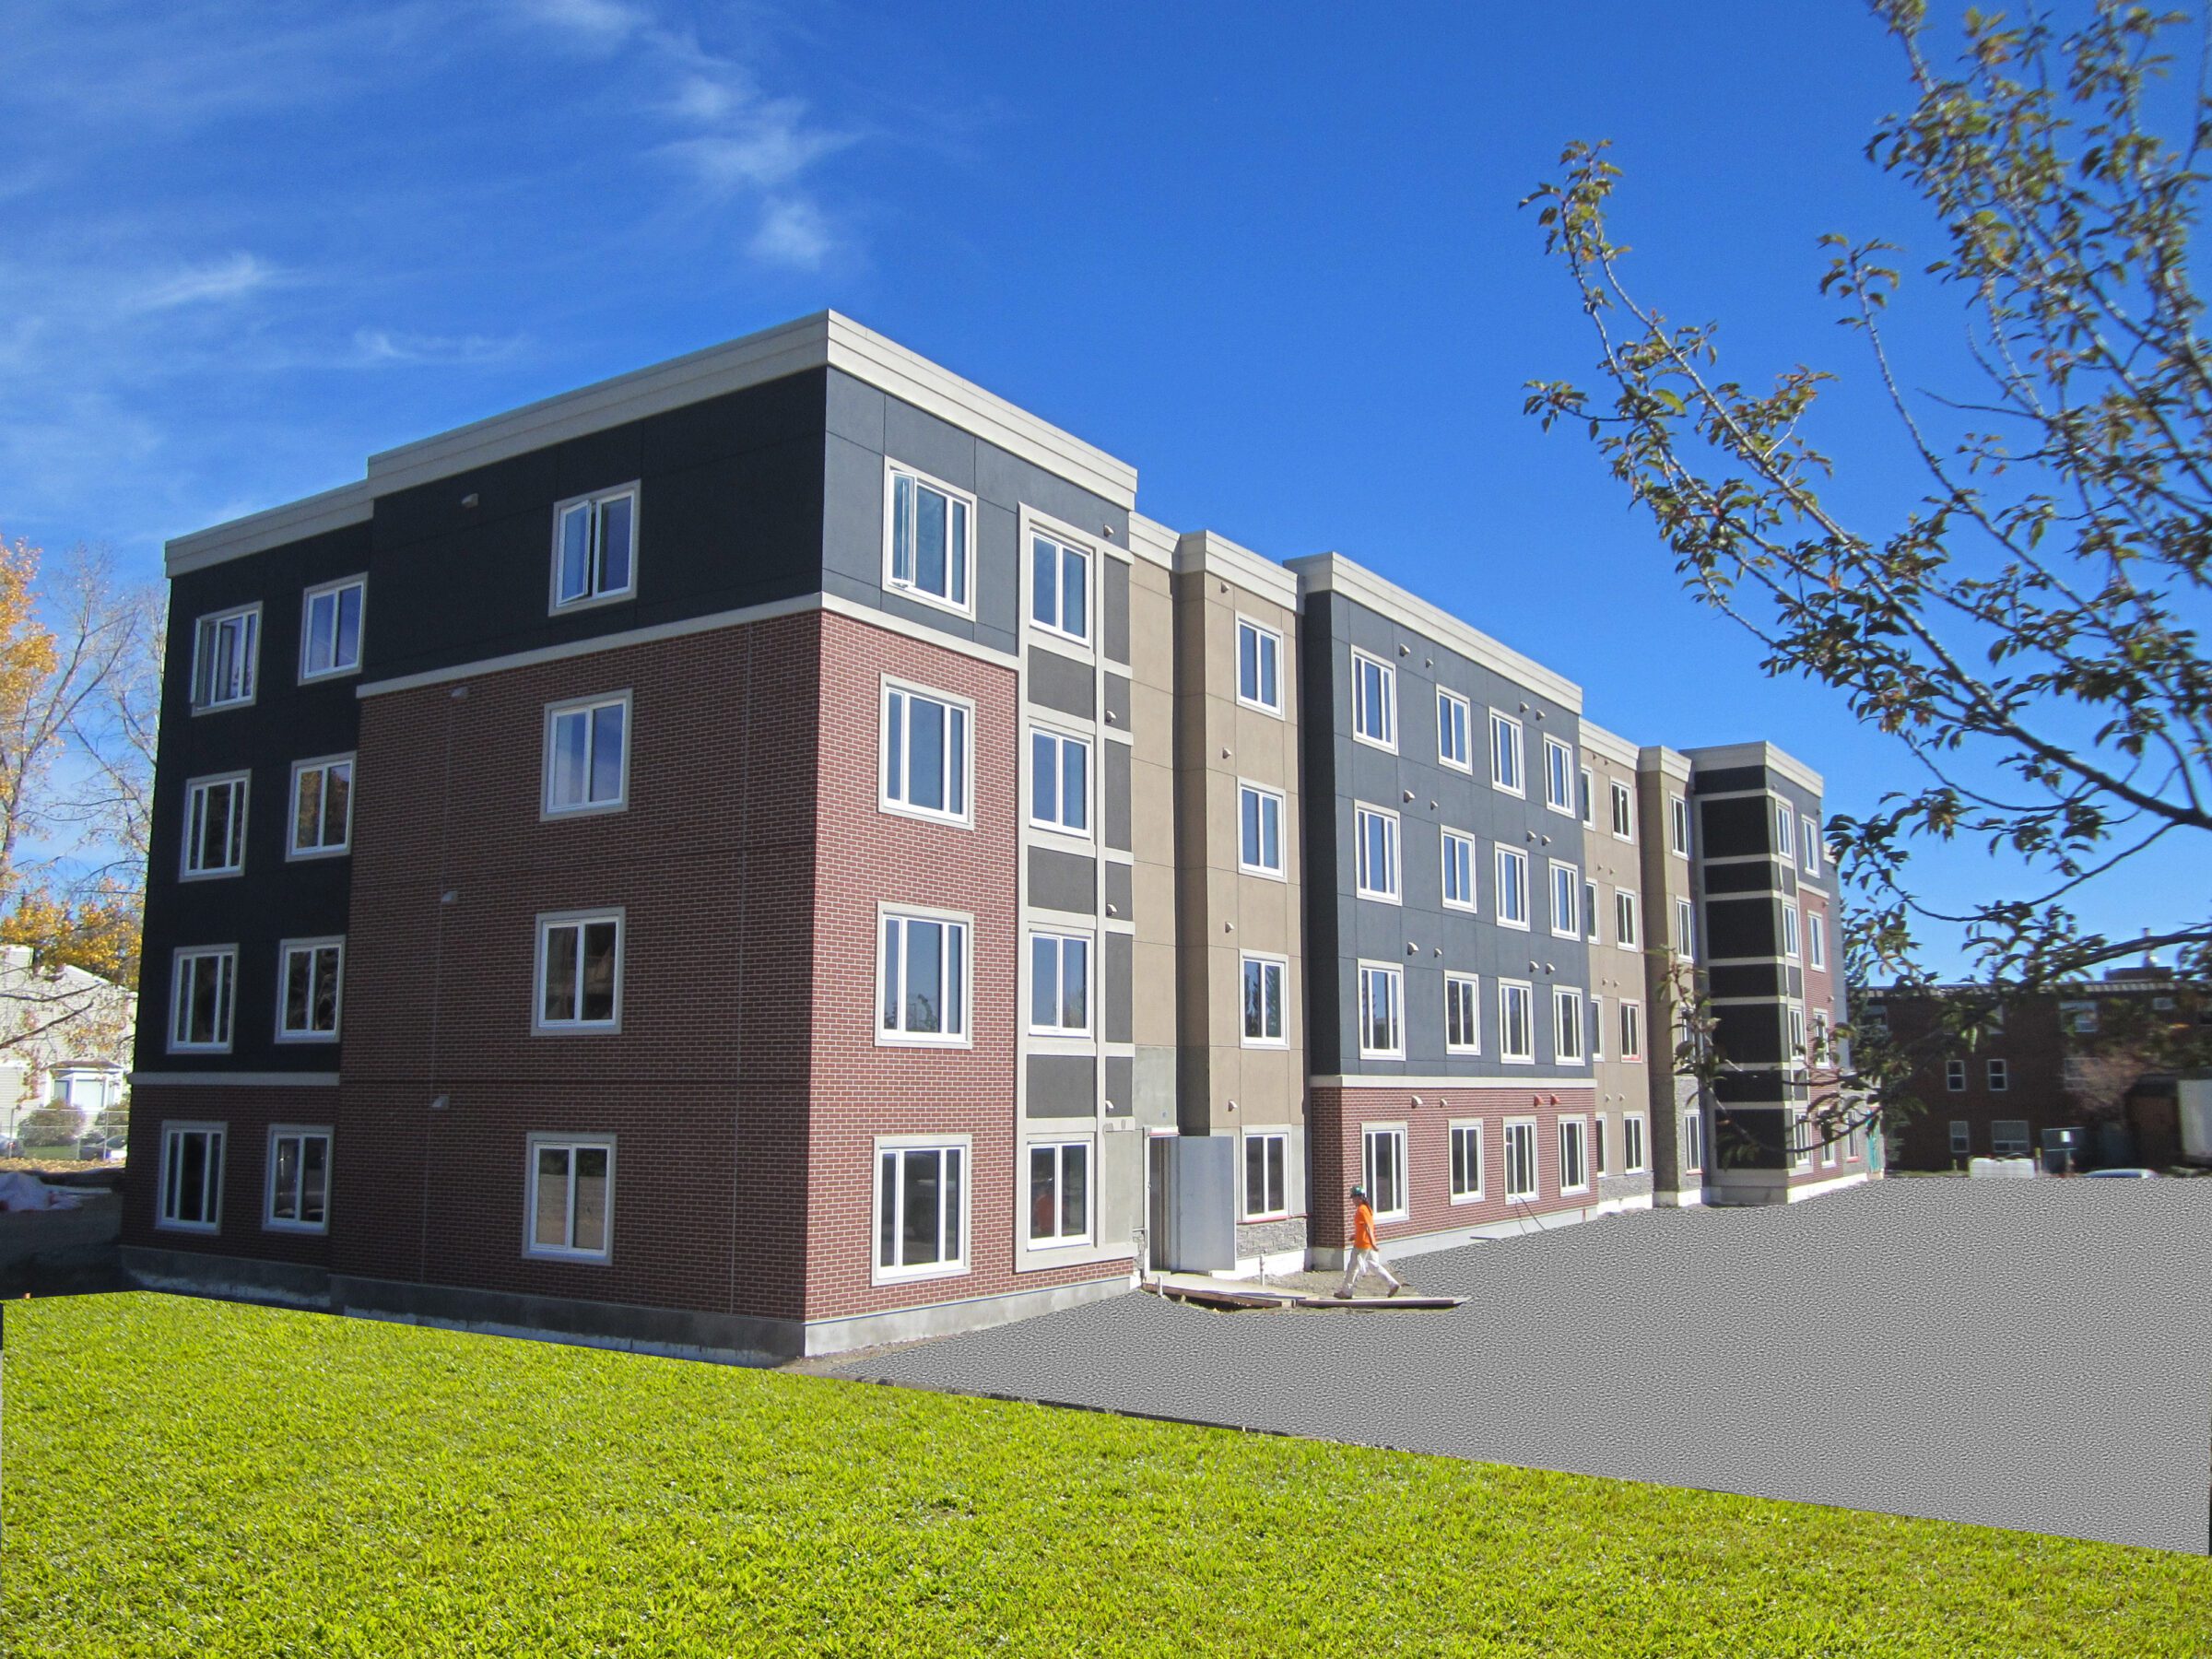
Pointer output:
1586, 798
1060, 588
1631, 1144
1374, 702
572, 1198
1060, 1193
1263, 983
1693, 1141
1520, 1160
224, 648
1808, 841
1574, 1168
1631, 1030
932, 540
1954, 1076
1816, 939
1467, 1162
1685, 929
587, 755
580, 972
1516, 1022
1590, 911
1259, 830
926, 761
1259, 667
1060, 783
309, 976
1558, 776
2000, 1077
921, 1209
1784, 829
1459, 870
1059, 985
1624, 813
1628, 919
1566, 901
1594, 1025
202, 984
322, 807
1377, 876
1511, 869
1677, 826
1505, 754
1383, 1160
1266, 1174
594, 547
925, 980
1452, 738
1789, 930
330, 629
1462, 1020
299, 1195
1382, 997
192, 1177
215, 825
1566, 1025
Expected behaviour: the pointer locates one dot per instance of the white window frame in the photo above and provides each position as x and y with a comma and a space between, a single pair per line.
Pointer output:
895, 735
286, 950
588, 707
1677, 820
1448, 842
1809, 845
1693, 1141
1558, 769
1061, 742
1387, 692
303, 1132
211, 1188
950, 949
1527, 992
333, 591
1996, 1075
1362, 874
1508, 865
545, 923
1262, 637
1954, 1076
180, 981
1963, 1137
1567, 1017
1394, 1135
1267, 962
293, 852
1632, 1028
1815, 940
1591, 911
572, 1144
1521, 1130
1265, 797
1568, 925
1586, 800
1628, 909
1471, 985
1501, 724
1597, 1144
1062, 940
955, 1266
1685, 929
1786, 828
1279, 1139
1464, 1132
1575, 1132
1624, 812
594, 502
1065, 547
1454, 718
196, 790
1059, 1145
1799, 1050
1635, 1142
1789, 930
1801, 1141
1596, 1008
251, 674
2006, 1144
1394, 976
962, 557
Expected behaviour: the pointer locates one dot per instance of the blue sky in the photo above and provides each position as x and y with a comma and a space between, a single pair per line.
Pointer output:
1269, 255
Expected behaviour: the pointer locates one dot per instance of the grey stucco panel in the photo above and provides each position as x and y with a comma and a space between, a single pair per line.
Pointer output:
1116, 771
1062, 1085
1114, 621
1117, 700
1063, 881
1121, 899
1120, 955
1121, 1086
1057, 683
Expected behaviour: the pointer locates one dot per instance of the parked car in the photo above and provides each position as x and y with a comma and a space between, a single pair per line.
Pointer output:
100, 1149
2124, 1174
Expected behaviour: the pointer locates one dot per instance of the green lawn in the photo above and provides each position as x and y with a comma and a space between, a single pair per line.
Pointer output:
191, 1477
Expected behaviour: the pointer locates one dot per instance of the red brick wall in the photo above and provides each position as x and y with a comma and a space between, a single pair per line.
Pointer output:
1338, 1115
247, 1114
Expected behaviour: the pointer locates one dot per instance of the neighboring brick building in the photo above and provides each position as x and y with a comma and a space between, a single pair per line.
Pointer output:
771, 853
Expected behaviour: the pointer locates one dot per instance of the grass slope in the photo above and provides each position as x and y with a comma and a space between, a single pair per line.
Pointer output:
191, 1477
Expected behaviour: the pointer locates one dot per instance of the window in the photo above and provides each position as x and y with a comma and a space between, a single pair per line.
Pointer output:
215, 825
587, 755
1259, 830
192, 1177
1574, 1168
1628, 918
1590, 910
1266, 1174
1060, 783
1462, 1020
1631, 1030
1059, 985
1519, 1159
1381, 993
1854, 1143
1452, 718
1784, 823
1801, 1141
1685, 929
1059, 587
299, 1195
1378, 854
1797, 1047
1516, 1022
1595, 1011
201, 985
1566, 1026
1060, 1193
1598, 1144
1963, 1137
1677, 826
1374, 702
1808, 842
1505, 754
921, 1209
2008, 1137
1383, 1161
926, 761
1459, 870
1467, 1162
1632, 1137
1624, 813
223, 651
2000, 1077
1954, 1076
1566, 901
1693, 1141
923, 992
1558, 776
1512, 870
308, 975
1585, 799
1816, 939
931, 534
580, 972
1259, 667
2080, 1017
1829, 1151
322, 807
595, 544
572, 1198
330, 629
1263, 1000
1789, 929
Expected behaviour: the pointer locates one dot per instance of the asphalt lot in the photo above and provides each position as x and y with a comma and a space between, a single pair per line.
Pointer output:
2022, 1354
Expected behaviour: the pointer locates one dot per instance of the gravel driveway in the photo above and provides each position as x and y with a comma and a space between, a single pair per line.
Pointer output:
2022, 1354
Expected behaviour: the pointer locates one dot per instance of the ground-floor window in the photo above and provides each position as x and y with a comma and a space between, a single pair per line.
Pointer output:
1467, 1160
1962, 1139
1828, 1152
1574, 1169
298, 1180
1521, 1160
1801, 1140
1383, 1162
1693, 1141
1597, 1144
191, 1176
1631, 1144
1854, 1143
571, 1196
921, 1209
1060, 1193
1266, 1174
2008, 1137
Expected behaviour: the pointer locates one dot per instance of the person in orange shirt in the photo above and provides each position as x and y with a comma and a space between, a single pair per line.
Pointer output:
1365, 1258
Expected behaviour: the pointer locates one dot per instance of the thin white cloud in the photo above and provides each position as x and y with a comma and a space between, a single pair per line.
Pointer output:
769, 148
792, 232
375, 348
602, 24
221, 279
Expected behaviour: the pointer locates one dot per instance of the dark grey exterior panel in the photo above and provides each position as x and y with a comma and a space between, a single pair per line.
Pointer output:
1121, 902
1120, 954
1117, 701
1063, 881
1062, 1085
1121, 1086
1116, 771
1057, 683
1113, 624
